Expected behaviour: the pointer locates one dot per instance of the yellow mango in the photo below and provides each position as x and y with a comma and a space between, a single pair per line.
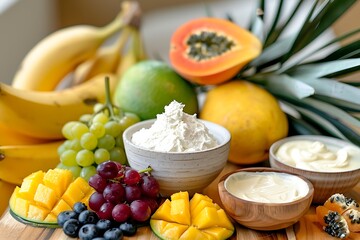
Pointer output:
60, 207
45, 196
58, 180
180, 211
37, 213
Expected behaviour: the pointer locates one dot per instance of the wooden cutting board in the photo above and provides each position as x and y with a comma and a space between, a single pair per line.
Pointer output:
306, 229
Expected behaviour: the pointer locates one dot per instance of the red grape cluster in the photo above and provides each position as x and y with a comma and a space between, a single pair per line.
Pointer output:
122, 193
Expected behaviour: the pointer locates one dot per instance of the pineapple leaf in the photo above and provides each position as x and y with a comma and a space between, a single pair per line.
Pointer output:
274, 24
351, 50
300, 126
347, 106
334, 89
257, 28
317, 22
333, 111
289, 86
327, 69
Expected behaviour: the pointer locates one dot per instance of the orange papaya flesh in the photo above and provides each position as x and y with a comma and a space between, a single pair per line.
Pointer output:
211, 50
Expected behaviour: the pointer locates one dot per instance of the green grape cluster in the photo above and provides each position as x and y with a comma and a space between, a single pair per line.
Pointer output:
95, 138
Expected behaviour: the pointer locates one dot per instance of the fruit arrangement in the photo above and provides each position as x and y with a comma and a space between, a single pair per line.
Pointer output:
339, 216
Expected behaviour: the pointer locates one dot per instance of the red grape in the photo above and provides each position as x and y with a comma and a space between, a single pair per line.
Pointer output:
132, 192
140, 210
121, 212
105, 211
114, 193
98, 183
96, 200
150, 186
107, 169
131, 177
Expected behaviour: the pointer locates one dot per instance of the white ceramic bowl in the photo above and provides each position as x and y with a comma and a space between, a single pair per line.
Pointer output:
190, 171
325, 183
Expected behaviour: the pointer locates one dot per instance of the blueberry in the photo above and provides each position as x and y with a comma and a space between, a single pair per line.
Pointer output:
64, 216
128, 229
71, 228
88, 232
88, 216
103, 224
99, 238
113, 234
79, 207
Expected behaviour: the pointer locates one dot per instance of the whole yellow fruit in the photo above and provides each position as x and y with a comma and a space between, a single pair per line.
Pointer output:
251, 114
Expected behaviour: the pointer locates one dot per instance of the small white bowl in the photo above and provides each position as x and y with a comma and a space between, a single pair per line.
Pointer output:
180, 171
325, 183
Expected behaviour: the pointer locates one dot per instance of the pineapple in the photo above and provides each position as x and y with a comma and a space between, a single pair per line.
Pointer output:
309, 89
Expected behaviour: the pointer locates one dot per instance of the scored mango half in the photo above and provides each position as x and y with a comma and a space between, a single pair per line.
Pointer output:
43, 195
198, 218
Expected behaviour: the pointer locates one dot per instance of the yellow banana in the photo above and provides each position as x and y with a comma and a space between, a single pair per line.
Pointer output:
59, 53
6, 189
105, 60
12, 137
42, 114
18, 161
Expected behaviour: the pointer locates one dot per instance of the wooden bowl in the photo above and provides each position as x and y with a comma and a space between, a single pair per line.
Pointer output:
260, 215
180, 171
325, 183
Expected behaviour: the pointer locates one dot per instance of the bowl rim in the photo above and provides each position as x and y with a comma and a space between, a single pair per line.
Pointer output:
127, 139
277, 144
309, 195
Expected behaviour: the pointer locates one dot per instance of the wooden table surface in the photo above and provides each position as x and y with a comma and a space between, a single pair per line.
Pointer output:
306, 229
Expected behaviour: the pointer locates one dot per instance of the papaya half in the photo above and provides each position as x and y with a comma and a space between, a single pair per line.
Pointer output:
211, 50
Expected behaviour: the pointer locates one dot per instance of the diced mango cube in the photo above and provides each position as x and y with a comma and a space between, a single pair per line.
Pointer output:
163, 212
51, 218
82, 185
174, 230
208, 217
37, 213
58, 179
30, 184
22, 207
200, 206
180, 195
218, 232
73, 194
60, 206
193, 234
45, 196
224, 221
180, 211
196, 199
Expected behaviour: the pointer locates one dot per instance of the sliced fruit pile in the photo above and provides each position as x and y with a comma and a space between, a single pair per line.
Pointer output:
43, 195
95, 138
123, 194
198, 218
339, 216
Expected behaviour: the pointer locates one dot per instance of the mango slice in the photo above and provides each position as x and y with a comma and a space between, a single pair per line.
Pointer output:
198, 218
43, 195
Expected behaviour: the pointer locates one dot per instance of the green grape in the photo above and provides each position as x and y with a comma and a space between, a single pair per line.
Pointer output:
101, 155
76, 170
75, 145
107, 142
61, 166
61, 149
97, 107
85, 158
87, 172
79, 129
88, 141
85, 118
118, 155
67, 144
113, 128
66, 130
68, 158
119, 141
97, 129
101, 118
128, 120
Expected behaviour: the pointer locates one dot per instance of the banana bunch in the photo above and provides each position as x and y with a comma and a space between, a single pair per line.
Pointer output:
34, 108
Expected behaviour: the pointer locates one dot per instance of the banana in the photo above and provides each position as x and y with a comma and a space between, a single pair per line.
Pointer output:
12, 137
6, 189
42, 114
55, 56
105, 60
18, 161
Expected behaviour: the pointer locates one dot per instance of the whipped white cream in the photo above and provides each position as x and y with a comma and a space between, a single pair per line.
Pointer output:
175, 131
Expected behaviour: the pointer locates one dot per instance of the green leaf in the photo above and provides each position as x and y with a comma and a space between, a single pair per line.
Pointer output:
333, 89
257, 28
318, 70
274, 23
333, 111
318, 21
287, 85
351, 50
347, 106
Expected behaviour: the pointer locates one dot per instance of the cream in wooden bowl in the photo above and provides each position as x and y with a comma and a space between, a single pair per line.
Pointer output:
265, 198
332, 165
185, 153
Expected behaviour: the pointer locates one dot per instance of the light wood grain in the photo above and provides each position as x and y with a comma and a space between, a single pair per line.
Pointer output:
306, 229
